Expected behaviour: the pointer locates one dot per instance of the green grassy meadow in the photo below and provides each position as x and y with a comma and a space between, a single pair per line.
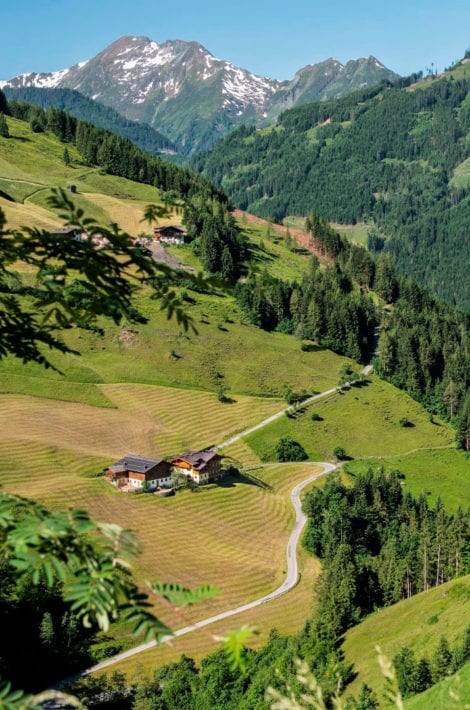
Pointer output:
363, 420
417, 623
357, 233
461, 176
435, 472
31, 164
269, 252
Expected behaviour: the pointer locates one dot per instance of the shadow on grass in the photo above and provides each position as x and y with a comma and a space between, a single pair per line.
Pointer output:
311, 347
232, 480
259, 254
359, 384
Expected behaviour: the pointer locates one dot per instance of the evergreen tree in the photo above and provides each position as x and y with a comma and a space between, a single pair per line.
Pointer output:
405, 667
441, 661
4, 104
4, 132
47, 634
227, 268
422, 678
367, 699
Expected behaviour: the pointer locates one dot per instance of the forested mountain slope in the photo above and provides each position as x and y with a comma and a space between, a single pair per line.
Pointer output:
394, 156
85, 109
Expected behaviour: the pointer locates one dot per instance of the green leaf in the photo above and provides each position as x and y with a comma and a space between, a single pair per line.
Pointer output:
180, 596
234, 645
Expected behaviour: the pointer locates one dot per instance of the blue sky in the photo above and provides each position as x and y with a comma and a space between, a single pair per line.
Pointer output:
272, 39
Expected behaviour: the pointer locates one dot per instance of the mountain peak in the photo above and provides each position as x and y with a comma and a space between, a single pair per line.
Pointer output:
194, 98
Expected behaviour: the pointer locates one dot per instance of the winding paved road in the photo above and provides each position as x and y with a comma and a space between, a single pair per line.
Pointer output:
290, 581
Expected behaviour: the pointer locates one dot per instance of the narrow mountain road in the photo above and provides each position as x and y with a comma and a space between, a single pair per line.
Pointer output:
365, 371
272, 418
290, 581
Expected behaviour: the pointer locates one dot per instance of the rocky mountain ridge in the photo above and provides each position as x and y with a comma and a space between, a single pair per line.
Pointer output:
192, 97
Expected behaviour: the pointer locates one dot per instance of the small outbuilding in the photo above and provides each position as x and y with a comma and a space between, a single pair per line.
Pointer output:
74, 233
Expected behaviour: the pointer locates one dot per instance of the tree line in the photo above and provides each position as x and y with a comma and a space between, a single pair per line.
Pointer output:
326, 306
85, 109
380, 545
424, 345
415, 675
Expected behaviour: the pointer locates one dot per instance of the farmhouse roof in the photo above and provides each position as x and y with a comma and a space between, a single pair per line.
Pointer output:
66, 230
138, 464
198, 459
171, 227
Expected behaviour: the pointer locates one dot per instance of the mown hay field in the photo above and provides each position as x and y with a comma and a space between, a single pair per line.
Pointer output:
153, 421
232, 535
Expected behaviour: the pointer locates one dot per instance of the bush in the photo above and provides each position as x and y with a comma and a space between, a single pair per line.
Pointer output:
316, 417
339, 452
289, 450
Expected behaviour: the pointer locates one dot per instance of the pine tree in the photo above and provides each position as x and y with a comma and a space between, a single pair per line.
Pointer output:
422, 678
4, 132
441, 661
367, 699
227, 269
66, 157
405, 667
47, 635
3, 103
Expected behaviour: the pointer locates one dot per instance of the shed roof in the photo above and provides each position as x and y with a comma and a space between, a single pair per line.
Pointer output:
169, 227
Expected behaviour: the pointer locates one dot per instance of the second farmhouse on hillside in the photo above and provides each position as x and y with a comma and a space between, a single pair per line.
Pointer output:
199, 466
170, 234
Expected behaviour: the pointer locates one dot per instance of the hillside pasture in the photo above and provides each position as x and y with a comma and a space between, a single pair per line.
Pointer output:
417, 623
227, 351
439, 472
364, 420
19, 215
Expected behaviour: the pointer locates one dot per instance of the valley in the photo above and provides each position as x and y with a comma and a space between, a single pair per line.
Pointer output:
145, 385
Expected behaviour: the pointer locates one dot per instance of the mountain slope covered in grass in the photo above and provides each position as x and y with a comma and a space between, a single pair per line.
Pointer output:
146, 386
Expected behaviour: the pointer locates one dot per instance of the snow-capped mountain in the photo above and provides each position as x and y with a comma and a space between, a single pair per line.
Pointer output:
191, 96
